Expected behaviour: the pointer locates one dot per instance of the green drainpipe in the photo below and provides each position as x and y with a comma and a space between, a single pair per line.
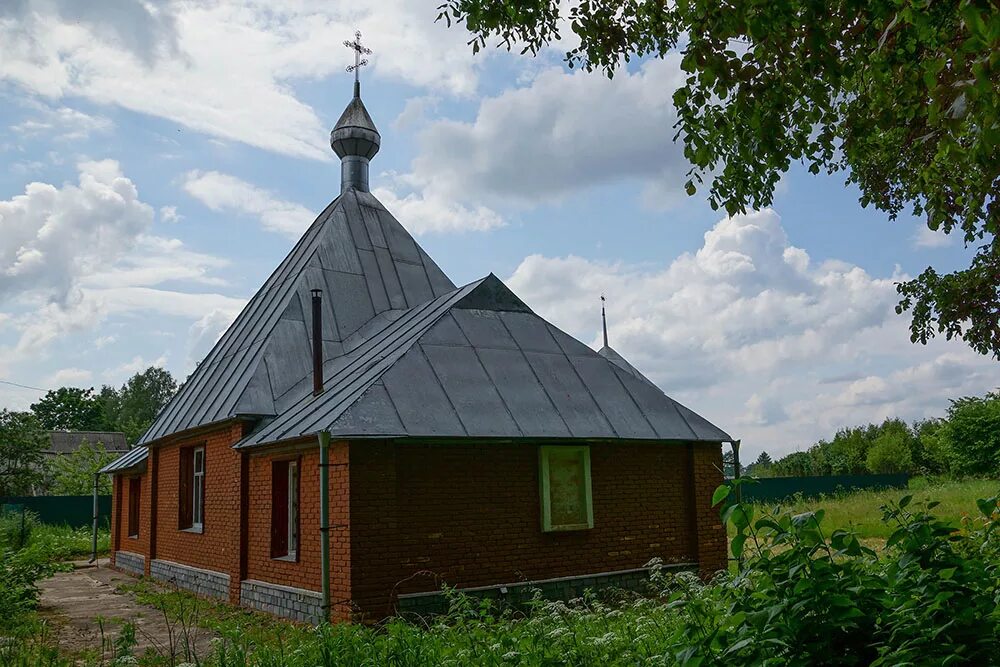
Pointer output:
93, 538
324, 519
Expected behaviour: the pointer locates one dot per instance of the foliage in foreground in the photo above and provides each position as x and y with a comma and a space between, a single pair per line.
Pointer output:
806, 595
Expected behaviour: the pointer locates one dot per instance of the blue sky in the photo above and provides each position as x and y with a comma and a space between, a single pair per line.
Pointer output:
160, 160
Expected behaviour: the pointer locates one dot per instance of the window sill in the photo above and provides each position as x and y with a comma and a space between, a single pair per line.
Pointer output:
197, 530
132, 537
290, 558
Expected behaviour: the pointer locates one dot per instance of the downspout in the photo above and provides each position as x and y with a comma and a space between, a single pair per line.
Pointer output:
93, 540
324, 519
739, 488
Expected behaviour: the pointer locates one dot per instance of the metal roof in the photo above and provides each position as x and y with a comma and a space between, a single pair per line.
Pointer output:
477, 362
131, 459
618, 360
365, 263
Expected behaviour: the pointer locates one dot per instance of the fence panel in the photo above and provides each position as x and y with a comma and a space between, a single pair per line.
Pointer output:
778, 488
75, 511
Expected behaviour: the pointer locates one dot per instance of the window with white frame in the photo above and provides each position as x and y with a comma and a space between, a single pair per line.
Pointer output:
191, 489
198, 489
285, 509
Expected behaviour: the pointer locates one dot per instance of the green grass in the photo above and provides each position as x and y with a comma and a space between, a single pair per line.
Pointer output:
859, 510
65, 543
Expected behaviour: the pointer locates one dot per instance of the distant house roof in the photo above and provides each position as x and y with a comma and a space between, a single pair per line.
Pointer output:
67, 442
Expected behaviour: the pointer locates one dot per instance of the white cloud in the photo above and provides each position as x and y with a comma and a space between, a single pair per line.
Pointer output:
70, 377
133, 366
750, 332
74, 256
222, 192
226, 69
925, 237
54, 236
63, 124
170, 214
563, 133
102, 341
204, 333
428, 213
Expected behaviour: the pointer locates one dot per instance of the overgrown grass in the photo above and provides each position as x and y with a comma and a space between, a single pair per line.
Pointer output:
65, 543
859, 511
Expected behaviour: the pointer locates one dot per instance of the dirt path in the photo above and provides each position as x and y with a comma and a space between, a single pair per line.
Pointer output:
74, 601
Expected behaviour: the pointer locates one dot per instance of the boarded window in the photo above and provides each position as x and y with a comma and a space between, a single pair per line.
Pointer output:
285, 509
191, 489
565, 488
134, 491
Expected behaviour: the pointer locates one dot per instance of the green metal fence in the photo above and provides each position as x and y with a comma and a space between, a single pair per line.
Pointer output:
75, 511
778, 488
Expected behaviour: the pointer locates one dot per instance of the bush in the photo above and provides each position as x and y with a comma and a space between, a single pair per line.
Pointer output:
15, 528
972, 433
806, 597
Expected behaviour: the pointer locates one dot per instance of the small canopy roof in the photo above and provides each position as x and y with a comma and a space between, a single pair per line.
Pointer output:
131, 460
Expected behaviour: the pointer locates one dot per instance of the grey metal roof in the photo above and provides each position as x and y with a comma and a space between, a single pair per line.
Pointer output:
477, 362
618, 360
132, 459
67, 442
365, 262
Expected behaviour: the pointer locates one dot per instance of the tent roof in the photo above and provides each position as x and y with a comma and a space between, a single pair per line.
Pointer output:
367, 266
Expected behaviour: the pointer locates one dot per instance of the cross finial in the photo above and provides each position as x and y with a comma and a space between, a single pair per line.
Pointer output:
359, 62
604, 321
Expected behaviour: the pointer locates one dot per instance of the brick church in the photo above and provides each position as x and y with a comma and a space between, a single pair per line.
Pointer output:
367, 431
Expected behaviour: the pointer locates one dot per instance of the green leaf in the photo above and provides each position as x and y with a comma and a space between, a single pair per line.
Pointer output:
722, 492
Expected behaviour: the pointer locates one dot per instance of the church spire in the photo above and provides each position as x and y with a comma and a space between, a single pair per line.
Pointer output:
355, 139
604, 321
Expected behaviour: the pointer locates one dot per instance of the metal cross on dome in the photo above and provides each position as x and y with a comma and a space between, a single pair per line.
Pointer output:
358, 49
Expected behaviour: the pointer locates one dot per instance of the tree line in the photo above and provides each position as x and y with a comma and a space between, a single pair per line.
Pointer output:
130, 409
965, 442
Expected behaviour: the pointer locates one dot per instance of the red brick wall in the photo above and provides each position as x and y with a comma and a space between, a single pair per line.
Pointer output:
217, 547
305, 573
120, 500
468, 515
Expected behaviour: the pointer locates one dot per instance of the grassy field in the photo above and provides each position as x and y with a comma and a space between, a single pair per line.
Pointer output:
859, 510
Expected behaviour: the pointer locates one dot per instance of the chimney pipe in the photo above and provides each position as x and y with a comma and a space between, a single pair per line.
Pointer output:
317, 318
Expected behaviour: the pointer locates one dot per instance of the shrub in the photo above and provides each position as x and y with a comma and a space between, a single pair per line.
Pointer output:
973, 434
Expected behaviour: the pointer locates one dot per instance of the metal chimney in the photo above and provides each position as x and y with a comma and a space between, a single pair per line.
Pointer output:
317, 336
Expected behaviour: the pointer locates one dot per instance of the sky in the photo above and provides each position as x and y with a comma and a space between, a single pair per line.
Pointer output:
159, 159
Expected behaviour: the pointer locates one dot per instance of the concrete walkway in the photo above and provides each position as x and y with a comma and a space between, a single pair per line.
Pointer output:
73, 602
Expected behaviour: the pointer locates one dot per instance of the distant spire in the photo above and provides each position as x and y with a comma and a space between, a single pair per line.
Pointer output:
355, 139
604, 321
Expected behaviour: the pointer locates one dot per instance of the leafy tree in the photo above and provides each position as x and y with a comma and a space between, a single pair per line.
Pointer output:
132, 408
933, 454
73, 474
891, 452
22, 441
901, 97
70, 409
972, 434
796, 464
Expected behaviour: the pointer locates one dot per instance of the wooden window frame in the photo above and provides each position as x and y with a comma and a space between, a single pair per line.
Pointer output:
134, 506
544, 454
